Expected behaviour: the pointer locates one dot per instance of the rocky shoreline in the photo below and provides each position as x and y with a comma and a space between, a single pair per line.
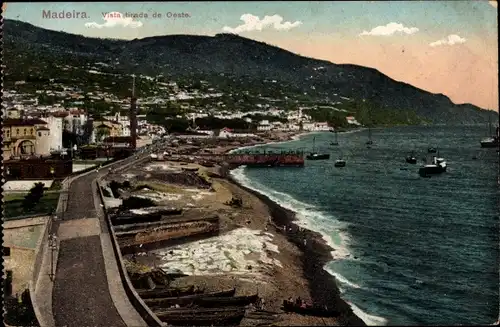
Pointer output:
315, 254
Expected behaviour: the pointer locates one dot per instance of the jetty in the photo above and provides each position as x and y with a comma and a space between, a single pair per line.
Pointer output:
246, 158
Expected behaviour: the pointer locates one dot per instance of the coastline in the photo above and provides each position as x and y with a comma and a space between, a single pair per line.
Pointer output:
284, 266
314, 255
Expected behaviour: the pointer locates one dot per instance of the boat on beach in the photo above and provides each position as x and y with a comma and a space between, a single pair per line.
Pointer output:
211, 302
307, 309
168, 292
194, 318
187, 299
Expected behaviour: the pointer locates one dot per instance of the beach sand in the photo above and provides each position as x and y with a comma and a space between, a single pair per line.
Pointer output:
259, 256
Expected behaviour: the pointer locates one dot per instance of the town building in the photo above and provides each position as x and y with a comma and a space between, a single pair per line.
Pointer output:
352, 120
102, 128
32, 168
229, 133
55, 125
316, 127
119, 141
264, 126
25, 137
124, 121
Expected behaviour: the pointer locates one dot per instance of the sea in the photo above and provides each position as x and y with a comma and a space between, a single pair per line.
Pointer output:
407, 250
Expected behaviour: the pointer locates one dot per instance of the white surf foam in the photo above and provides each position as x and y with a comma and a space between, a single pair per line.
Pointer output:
317, 221
370, 320
307, 217
341, 278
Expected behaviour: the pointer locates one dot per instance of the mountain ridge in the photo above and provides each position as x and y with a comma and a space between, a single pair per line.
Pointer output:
237, 57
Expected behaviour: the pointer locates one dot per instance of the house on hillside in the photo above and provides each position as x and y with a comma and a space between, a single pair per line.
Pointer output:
229, 133
316, 127
264, 126
352, 120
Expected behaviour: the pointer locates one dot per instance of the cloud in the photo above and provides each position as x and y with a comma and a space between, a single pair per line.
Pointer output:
494, 3
254, 23
114, 19
450, 40
390, 29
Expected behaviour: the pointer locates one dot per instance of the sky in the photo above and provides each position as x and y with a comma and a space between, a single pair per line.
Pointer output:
448, 47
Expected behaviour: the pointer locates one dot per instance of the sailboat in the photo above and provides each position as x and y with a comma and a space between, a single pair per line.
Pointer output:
369, 142
336, 142
493, 140
317, 156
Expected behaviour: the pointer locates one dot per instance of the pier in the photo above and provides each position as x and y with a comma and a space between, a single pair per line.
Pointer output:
255, 159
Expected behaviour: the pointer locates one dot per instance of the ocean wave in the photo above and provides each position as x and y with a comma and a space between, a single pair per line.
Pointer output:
370, 320
307, 217
341, 278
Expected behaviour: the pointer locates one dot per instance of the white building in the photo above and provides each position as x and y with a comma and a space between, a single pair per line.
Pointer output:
55, 125
42, 143
124, 121
352, 120
228, 133
75, 122
316, 127
264, 126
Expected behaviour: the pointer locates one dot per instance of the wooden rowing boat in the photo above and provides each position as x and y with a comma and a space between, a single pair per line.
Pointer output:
168, 292
211, 302
186, 299
309, 310
224, 318
195, 311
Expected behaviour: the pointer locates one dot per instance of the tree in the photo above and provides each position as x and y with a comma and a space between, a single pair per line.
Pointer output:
101, 133
34, 196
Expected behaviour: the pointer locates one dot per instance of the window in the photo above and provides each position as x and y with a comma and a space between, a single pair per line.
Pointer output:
40, 134
25, 131
5, 251
7, 132
17, 131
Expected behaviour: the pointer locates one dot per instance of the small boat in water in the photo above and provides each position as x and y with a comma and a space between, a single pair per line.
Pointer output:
490, 142
340, 163
493, 141
437, 166
411, 159
317, 156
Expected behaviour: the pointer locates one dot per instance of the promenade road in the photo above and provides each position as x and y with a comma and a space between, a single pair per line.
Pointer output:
80, 295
